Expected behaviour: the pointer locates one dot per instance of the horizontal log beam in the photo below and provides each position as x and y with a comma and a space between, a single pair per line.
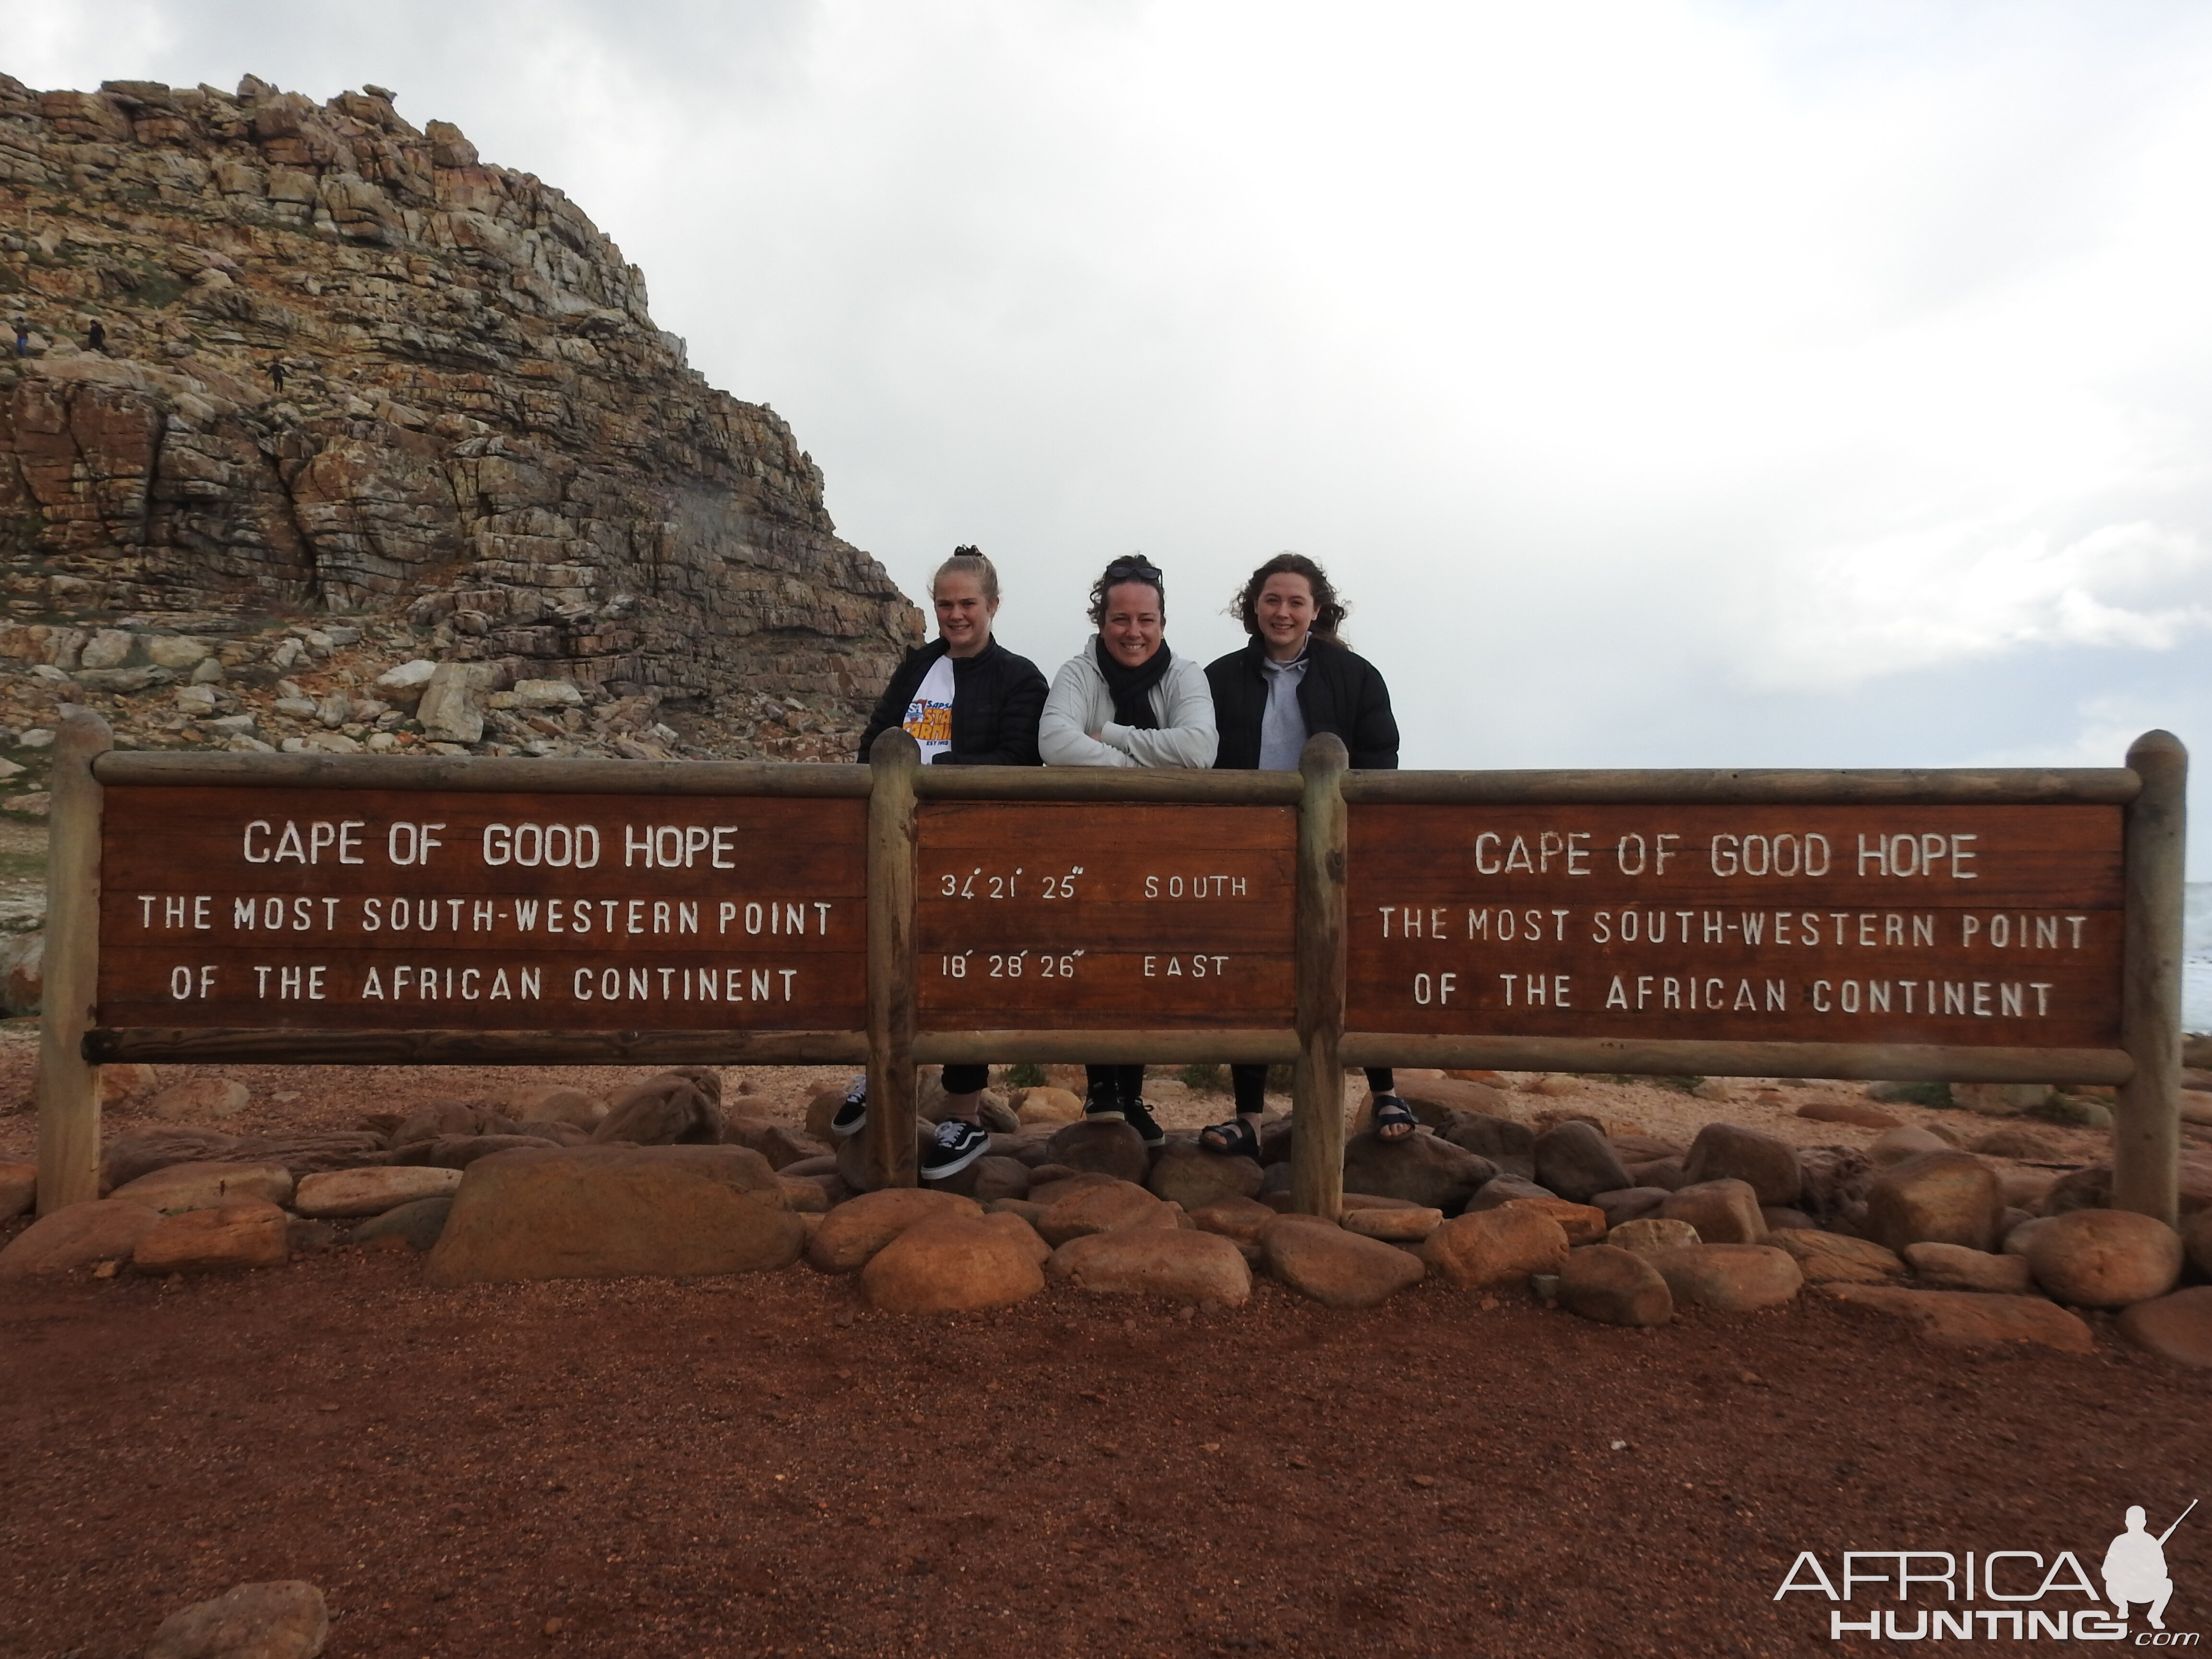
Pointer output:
113, 1044
1901, 1062
2099, 786
490, 773
1179, 1048
1108, 783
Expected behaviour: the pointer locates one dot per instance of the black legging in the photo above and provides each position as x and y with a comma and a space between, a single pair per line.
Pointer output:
1120, 1085
967, 1079
1251, 1083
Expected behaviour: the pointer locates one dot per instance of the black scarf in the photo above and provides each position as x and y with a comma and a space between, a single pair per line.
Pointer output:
1128, 686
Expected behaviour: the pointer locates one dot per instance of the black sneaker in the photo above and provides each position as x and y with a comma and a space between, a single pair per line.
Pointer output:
853, 1116
1139, 1116
956, 1146
1102, 1108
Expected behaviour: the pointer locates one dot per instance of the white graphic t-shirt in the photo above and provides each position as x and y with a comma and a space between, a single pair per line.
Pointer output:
929, 716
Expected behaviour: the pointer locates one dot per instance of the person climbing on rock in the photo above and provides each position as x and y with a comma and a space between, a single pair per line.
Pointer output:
22, 337
1294, 680
967, 700
95, 337
1126, 700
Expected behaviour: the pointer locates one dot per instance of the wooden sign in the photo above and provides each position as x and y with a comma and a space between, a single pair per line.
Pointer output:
1058, 916
1962, 926
358, 909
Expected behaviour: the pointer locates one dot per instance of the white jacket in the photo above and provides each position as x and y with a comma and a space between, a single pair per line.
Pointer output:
1079, 704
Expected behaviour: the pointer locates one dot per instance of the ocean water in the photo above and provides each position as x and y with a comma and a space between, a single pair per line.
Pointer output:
2196, 959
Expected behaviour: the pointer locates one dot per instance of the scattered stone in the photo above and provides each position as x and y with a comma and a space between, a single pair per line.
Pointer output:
130, 1155
2017, 1238
1894, 1092
1393, 1225
1955, 1267
416, 1226
1336, 1268
676, 1108
1103, 1208
2018, 1140
19, 1190
1434, 1099
2103, 1258
778, 1142
1496, 1194
803, 1197
460, 1151
1730, 1277
77, 1236
1782, 1215
606, 1211
1945, 1198
121, 1084
1239, 1219
1839, 1259
1048, 1105
1103, 1148
858, 1228
950, 1264
1729, 1151
821, 1109
441, 1120
2025, 1189
1665, 1173
1835, 1176
1723, 1212
1509, 1145
1485, 1248
1184, 1266
310, 1237
200, 1097
1614, 1286
243, 1233
285, 1618
1846, 1111
1971, 1319
1650, 1233
203, 1186
1908, 1142
2177, 1326
1630, 1203
1187, 1174
988, 1178
1419, 1168
851, 1156
1577, 1163
1582, 1224
2000, 1099
1636, 1148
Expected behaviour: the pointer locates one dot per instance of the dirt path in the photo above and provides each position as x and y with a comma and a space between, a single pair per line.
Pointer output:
743, 1466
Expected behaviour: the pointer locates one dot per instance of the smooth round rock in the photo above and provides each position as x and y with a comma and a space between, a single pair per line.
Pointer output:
1489, 1249
950, 1264
1614, 1286
1765, 1163
2103, 1258
1730, 1277
2177, 1326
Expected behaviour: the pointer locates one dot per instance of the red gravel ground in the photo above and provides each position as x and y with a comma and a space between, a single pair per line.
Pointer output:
756, 1465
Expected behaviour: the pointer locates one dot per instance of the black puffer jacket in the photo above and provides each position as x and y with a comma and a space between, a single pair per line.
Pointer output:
1341, 692
997, 700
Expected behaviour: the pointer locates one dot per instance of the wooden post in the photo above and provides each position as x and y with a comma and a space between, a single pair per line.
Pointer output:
894, 762
1317, 1076
69, 1084
2147, 1128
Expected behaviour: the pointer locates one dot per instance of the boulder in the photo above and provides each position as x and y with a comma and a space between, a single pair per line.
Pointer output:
1046, 1105
1614, 1286
1839, 1259
1945, 1198
284, 1619
2018, 1140
857, 1229
1107, 1147
439, 1120
1730, 1277
1503, 1190
676, 1108
1848, 1111
851, 1156
1240, 1220
19, 1190
606, 1211
1487, 1249
2195, 1240
415, 1226
1054, 1182
2103, 1258
242, 1233
1665, 1173
1508, 1145
121, 1084
1188, 1175
1651, 1234
1635, 1148
1104, 1208
458, 1151
1835, 1176
1434, 1099
552, 1103
803, 1197
1723, 1212
201, 1098
1630, 1204
778, 1142
1577, 1163
77, 1236
1901, 1143
1583, 1223
1393, 1225
1185, 1265
2000, 1099
1729, 1151
1023, 1231
2024, 1190
1955, 1267
950, 1264
990, 1176
203, 1186
822, 1108
1336, 1268
2018, 1236
345, 1193
1972, 1319
2177, 1326
1782, 1215
1419, 1168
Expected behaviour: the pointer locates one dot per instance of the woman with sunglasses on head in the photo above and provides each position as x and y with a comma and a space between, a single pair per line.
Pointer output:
967, 701
1126, 700
1295, 680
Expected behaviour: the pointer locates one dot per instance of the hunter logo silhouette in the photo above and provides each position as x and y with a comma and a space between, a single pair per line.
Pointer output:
2135, 1566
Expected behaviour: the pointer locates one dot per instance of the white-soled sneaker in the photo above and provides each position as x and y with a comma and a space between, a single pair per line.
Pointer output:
853, 1116
957, 1146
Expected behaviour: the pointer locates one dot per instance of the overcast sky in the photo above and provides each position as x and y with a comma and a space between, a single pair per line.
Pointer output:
1665, 382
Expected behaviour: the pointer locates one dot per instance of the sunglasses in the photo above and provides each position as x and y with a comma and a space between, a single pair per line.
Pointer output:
1141, 568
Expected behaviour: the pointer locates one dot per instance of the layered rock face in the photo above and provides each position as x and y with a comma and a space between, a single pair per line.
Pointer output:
351, 371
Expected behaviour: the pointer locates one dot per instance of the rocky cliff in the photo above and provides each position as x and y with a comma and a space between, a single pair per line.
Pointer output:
360, 398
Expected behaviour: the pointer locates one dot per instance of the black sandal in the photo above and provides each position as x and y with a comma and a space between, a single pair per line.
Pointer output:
1234, 1138
1394, 1119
